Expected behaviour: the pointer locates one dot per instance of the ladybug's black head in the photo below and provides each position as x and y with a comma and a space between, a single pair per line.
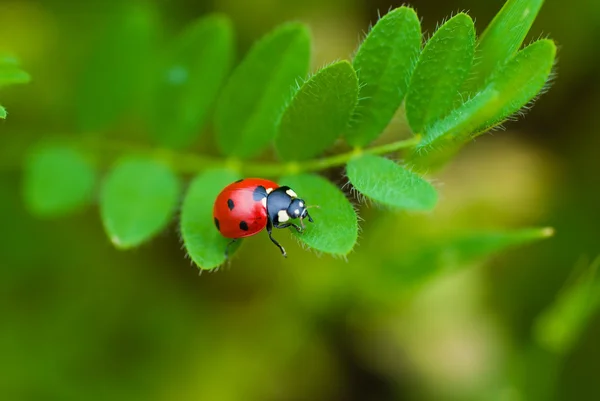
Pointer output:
283, 204
298, 210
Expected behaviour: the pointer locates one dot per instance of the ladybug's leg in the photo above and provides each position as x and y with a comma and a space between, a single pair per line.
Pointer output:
228, 246
270, 232
286, 225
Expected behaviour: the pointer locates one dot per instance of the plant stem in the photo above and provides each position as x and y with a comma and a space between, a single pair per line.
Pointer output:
192, 163
343, 158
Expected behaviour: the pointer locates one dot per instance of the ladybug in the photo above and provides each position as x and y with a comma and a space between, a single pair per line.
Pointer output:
247, 206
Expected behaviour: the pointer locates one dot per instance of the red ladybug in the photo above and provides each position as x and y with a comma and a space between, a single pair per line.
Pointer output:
247, 206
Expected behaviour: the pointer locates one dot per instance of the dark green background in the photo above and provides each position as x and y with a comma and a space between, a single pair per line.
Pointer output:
81, 320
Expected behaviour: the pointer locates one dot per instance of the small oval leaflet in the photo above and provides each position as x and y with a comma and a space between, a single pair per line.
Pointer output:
502, 39
443, 66
454, 251
386, 182
137, 201
58, 180
559, 327
190, 80
335, 227
510, 89
252, 101
384, 63
521, 79
11, 75
204, 244
113, 79
319, 112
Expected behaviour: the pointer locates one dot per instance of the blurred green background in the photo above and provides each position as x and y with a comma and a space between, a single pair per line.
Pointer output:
81, 320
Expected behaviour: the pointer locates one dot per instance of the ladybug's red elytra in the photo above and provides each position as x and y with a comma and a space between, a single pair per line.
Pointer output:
247, 206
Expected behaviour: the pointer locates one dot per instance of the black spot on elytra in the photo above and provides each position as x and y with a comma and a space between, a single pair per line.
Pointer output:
230, 204
240, 180
217, 224
243, 225
259, 193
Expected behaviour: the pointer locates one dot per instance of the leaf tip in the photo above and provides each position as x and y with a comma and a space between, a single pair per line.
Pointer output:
220, 20
547, 232
401, 10
296, 27
124, 244
117, 242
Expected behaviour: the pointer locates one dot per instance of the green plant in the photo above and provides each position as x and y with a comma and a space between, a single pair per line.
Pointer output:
10, 74
267, 101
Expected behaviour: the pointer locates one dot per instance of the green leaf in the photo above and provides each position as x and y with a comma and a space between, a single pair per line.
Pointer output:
10, 75
502, 38
190, 80
113, 78
137, 201
204, 244
335, 227
318, 113
559, 327
510, 89
8, 60
57, 180
252, 101
384, 63
441, 70
386, 182
461, 122
521, 79
456, 251
431, 161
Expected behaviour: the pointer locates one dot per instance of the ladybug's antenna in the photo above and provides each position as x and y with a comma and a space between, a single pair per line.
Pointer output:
308, 215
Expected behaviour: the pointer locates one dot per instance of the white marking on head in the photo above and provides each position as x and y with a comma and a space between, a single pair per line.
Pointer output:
282, 216
264, 202
291, 193
269, 190
301, 204
297, 212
